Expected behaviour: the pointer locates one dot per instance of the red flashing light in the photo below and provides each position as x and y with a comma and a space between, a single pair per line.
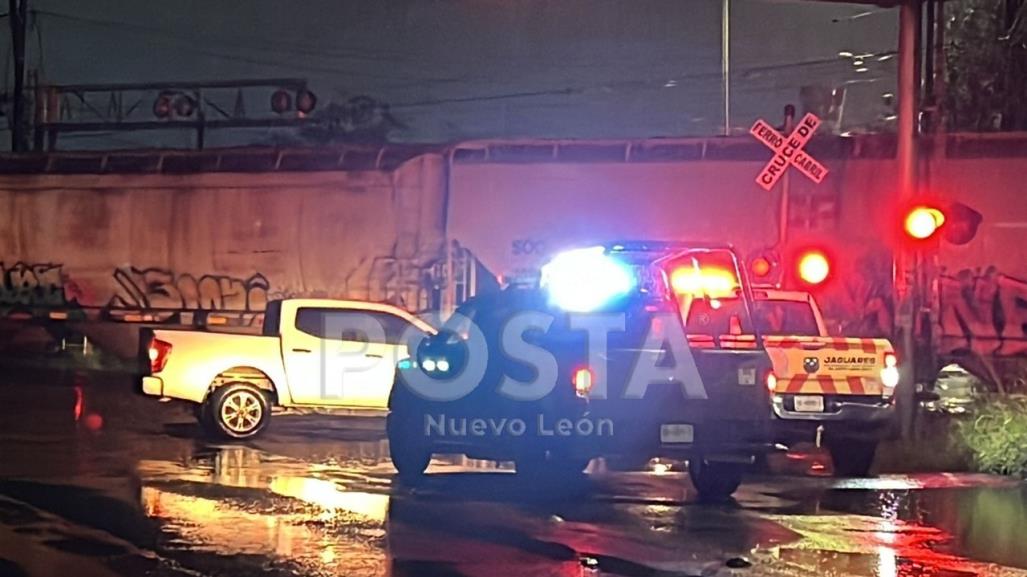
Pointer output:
760, 267
582, 382
813, 267
714, 282
923, 221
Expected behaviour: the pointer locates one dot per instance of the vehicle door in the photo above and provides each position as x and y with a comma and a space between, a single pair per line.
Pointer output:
343, 357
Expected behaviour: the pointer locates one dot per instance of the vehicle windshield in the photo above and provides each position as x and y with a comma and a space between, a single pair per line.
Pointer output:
785, 318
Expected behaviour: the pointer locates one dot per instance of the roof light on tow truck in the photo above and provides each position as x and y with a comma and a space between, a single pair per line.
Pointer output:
584, 280
710, 281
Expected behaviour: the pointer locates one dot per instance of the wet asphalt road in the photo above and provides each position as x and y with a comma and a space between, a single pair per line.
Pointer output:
97, 481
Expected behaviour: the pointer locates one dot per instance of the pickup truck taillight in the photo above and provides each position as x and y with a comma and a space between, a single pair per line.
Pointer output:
582, 382
159, 351
890, 372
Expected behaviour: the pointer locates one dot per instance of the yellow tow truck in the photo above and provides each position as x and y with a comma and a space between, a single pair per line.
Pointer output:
836, 389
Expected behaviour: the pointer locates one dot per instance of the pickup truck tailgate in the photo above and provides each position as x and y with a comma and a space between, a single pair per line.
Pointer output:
828, 365
730, 406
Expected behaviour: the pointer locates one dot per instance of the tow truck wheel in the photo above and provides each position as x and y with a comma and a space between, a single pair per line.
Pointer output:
407, 449
852, 458
714, 481
235, 411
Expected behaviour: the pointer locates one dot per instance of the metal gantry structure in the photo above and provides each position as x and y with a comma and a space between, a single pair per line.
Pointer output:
192, 106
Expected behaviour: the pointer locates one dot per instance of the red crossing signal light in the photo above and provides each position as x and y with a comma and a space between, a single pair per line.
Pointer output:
813, 267
955, 222
923, 221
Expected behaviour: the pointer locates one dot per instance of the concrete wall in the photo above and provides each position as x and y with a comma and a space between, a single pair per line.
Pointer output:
219, 241
122, 244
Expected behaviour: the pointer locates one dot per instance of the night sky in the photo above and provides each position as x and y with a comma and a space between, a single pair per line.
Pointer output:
465, 69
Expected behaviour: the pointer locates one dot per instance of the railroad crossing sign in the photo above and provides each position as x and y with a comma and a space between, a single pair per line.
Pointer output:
788, 150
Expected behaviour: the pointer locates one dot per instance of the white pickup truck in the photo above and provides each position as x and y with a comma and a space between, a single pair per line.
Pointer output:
313, 353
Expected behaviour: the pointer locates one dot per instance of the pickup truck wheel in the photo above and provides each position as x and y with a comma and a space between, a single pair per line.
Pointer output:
852, 458
407, 449
714, 481
236, 411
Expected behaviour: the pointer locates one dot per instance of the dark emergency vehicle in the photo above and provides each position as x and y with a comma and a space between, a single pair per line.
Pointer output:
594, 362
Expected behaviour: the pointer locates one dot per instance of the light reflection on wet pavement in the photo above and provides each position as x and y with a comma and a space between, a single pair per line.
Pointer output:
144, 494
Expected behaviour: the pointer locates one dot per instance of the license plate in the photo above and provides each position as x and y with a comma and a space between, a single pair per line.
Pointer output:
809, 404
747, 376
677, 434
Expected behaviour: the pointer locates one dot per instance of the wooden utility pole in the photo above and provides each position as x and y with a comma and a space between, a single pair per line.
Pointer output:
17, 15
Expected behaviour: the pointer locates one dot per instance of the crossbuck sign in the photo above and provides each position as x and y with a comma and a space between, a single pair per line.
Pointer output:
788, 150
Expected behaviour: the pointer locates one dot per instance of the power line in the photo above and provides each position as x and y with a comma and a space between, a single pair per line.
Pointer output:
265, 43
189, 44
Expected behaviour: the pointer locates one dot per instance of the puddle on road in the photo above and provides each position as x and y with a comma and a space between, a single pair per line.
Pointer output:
332, 518
934, 519
321, 519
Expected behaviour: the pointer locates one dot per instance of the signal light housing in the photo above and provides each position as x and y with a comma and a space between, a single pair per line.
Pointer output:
281, 101
955, 222
963, 224
305, 101
760, 267
162, 106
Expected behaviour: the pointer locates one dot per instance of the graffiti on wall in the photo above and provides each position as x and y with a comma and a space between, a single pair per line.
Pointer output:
160, 288
984, 311
35, 285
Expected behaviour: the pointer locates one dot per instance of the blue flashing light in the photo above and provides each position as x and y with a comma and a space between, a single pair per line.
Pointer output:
584, 280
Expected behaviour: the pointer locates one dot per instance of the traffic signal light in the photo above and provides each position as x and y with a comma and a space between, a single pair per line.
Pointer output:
923, 221
763, 266
760, 267
956, 222
813, 267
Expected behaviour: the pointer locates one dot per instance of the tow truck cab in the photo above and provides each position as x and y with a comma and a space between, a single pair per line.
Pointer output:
629, 382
